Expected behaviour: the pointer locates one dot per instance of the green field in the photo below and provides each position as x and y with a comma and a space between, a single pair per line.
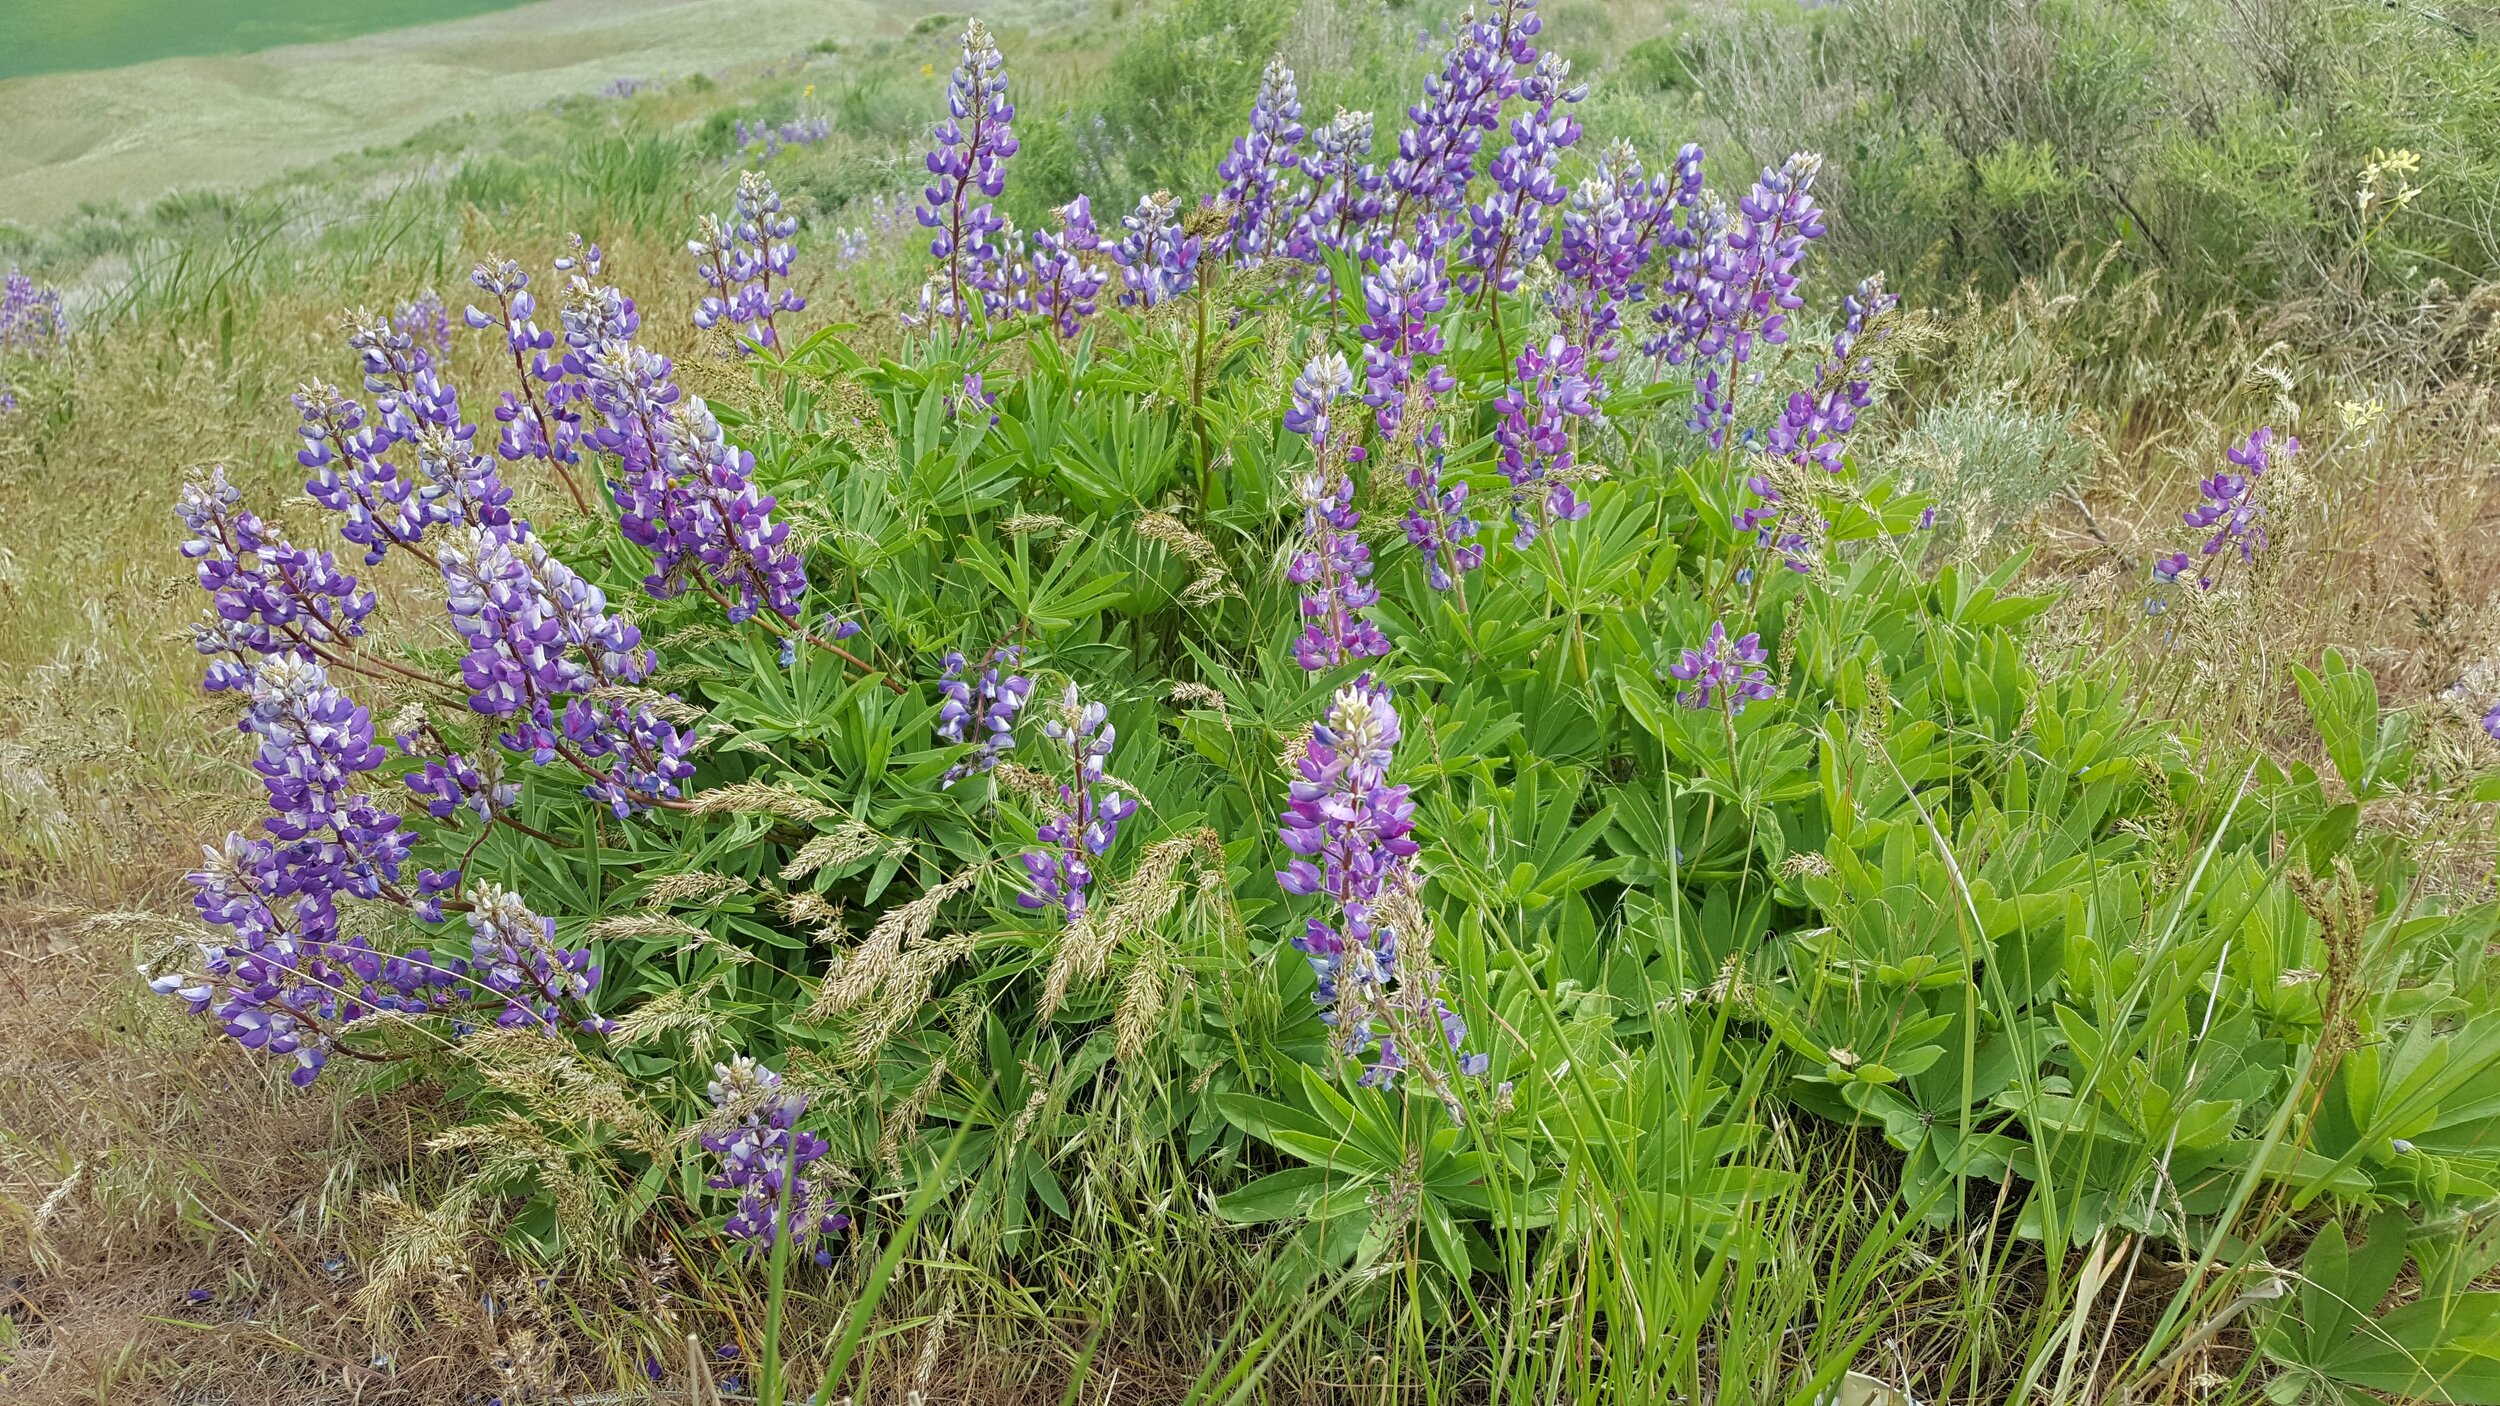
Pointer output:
53, 36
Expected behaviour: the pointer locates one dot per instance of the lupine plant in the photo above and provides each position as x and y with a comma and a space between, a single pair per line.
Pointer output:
32, 324
1501, 933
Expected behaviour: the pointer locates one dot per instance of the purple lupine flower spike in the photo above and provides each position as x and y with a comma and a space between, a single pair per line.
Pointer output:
352, 477
1158, 259
1254, 174
683, 490
425, 319
738, 261
1402, 298
1087, 816
992, 702
1724, 675
541, 646
32, 324
2230, 508
1608, 233
1334, 570
266, 596
1462, 103
1350, 833
968, 163
287, 981
1060, 282
514, 955
1554, 386
764, 1159
1403, 382
1682, 315
1332, 565
1747, 286
31, 320
1813, 425
1761, 521
1508, 229
1342, 197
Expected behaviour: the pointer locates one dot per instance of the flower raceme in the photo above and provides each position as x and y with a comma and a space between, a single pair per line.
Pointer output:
2230, 510
1350, 832
1158, 259
1746, 285
992, 702
1509, 228
1331, 565
1087, 816
967, 170
739, 258
31, 320
1059, 282
1402, 298
1462, 103
1342, 196
764, 1160
1554, 386
1254, 176
1814, 423
266, 595
1724, 674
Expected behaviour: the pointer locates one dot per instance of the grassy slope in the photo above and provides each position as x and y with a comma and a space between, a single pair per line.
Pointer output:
41, 38
134, 133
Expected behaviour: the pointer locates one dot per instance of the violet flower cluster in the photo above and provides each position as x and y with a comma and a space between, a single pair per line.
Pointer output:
1334, 569
992, 701
348, 448
764, 1160
1553, 387
1813, 424
1401, 298
1509, 228
1747, 286
515, 958
1462, 103
1254, 175
1086, 819
738, 261
772, 137
531, 430
266, 595
1760, 520
1158, 259
685, 492
452, 783
31, 320
1343, 194
425, 319
1724, 674
1613, 226
1059, 282
541, 647
1332, 566
2230, 509
969, 163
1351, 834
